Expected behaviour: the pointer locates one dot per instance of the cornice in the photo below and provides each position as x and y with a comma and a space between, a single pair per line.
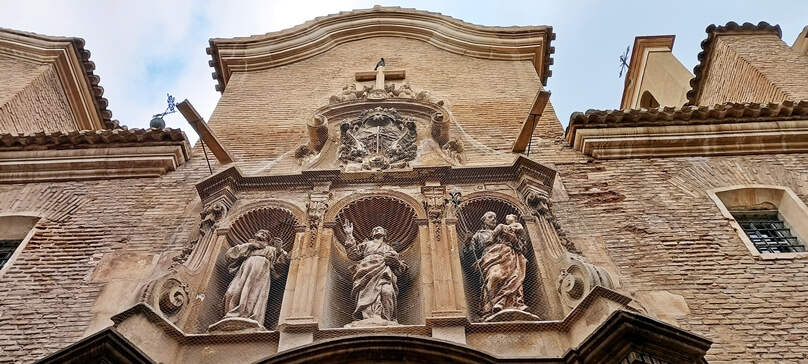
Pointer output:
75, 70
726, 129
522, 167
713, 31
88, 154
323, 33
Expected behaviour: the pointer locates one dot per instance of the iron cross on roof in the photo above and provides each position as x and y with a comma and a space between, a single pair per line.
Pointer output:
380, 75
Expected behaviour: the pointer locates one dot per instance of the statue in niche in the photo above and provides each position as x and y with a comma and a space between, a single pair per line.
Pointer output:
255, 264
375, 288
498, 251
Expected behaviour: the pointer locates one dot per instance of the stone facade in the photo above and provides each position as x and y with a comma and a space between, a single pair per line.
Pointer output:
624, 255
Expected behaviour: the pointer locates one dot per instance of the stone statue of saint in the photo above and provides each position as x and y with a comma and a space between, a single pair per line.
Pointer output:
255, 264
374, 277
499, 254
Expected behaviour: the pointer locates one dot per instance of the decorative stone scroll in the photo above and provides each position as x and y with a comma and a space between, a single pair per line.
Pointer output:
578, 279
211, 216
435, 205
378, 139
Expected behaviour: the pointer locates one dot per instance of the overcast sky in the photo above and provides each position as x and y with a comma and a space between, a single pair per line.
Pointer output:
144, 49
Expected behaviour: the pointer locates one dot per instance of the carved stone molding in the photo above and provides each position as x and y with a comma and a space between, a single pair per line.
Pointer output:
317, 206
578, 279
318, 36
210, 217
75, 71
350, 92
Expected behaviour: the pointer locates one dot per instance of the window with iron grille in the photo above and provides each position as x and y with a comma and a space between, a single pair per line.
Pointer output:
7, 248
767, 231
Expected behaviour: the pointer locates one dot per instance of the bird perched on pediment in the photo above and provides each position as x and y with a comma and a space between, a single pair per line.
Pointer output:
379, 64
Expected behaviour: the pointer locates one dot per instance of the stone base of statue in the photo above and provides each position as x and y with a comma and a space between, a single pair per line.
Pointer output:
236, 325
372, 322
511, 314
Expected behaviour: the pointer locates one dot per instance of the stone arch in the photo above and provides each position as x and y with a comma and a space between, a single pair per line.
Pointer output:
469, 214
382, 349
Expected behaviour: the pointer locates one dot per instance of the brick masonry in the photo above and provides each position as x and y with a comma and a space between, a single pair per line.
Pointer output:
649, 221
35, 101
754, 68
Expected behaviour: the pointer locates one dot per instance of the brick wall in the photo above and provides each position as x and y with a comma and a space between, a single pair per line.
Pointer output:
39, 106
490, 98
49, 294
662, 232
16, 74
754, 68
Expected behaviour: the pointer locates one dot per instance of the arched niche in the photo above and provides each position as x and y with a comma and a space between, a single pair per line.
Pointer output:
400, 219
280, 222
470, 213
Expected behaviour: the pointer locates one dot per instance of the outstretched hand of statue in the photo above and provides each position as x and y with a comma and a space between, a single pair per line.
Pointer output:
347, 227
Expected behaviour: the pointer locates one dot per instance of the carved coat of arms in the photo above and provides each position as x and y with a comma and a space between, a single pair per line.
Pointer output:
378, 139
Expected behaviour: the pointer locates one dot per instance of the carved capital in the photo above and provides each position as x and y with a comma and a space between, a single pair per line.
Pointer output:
434, 201
536, 197
210, 217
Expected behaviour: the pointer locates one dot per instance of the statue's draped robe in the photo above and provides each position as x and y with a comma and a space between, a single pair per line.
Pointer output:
247, 295
375, 288
503, 269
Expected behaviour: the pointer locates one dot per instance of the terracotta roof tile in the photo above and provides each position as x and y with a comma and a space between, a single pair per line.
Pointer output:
89, 138
687, 115
706, 45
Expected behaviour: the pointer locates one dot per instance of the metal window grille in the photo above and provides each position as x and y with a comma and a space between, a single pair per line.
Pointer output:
7, 248
767, 231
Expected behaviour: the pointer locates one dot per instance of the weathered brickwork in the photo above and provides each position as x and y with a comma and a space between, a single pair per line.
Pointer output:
663, 233
16, 74
49, 293
40, 106
501, 95
649, 222
754, 68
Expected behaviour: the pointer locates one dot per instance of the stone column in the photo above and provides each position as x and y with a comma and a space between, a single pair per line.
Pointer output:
297, 322
446, 312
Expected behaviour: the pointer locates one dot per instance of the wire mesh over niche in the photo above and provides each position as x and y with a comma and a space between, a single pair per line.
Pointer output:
358, 275
500, 274
270, 227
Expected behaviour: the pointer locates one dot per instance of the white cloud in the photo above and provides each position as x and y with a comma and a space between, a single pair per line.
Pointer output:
144, 49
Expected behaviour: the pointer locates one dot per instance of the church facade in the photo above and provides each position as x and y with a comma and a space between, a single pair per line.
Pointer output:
394, 185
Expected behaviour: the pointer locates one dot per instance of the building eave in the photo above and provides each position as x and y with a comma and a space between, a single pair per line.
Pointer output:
321, 34
725, 129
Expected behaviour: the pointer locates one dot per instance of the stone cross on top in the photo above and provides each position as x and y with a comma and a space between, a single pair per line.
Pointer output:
380, 75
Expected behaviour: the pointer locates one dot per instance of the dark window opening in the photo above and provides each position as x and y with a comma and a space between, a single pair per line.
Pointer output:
7, 248
767, 231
